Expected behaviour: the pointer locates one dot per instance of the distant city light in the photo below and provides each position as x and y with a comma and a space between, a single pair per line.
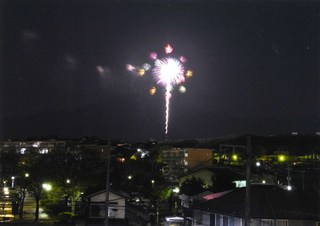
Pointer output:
36, 144
258, 164
281, 158
6, 191
234, 157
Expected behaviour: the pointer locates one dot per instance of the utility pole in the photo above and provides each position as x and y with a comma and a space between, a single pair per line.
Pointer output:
248, 172
106, 220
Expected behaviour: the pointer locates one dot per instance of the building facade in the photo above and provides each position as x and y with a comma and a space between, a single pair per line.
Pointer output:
178, 161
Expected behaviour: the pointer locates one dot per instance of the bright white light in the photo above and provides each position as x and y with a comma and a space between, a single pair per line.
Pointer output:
47, 187
289, 188
22, 151
6, 191
36, 144
176, 190
174, 219
44, 151
258, 164
68, 181
263, 181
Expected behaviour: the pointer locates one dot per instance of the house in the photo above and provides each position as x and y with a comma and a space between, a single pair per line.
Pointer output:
96, 205
269, 205
217, 178
119, 209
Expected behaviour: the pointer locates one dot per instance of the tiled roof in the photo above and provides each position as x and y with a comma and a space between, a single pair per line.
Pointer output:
267, 202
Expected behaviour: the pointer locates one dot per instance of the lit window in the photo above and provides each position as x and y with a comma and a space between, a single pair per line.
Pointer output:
282, 223
267, 223
36, 144
44, 151
22, 151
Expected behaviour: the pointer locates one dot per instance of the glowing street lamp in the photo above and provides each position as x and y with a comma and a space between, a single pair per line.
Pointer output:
176, 190
12, 181
234, 157
47, 186
281, 158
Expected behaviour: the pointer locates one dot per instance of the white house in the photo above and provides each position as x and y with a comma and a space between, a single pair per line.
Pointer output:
96, 205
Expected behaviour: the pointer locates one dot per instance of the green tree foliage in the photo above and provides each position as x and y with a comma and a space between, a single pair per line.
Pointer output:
8, 165
192, 186
38, 167
73, 171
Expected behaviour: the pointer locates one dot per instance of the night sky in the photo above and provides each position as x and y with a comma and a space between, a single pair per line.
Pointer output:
255, 68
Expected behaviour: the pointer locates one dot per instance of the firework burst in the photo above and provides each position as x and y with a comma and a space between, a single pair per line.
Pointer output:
168, 73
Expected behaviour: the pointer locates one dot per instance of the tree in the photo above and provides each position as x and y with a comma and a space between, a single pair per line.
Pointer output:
37, 166
8, 165
192, 186
22, 185
73, 171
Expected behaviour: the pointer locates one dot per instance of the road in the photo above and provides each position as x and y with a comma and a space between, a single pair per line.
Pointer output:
30, 209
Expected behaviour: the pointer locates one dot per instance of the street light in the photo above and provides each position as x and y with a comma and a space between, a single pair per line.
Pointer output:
47, 186
176, 190
282, 158
12, 181
235, 157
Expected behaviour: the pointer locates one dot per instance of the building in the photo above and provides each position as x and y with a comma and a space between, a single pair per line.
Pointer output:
26, 147
215, 177
269, 205
96, 205
119, 211
178, 161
